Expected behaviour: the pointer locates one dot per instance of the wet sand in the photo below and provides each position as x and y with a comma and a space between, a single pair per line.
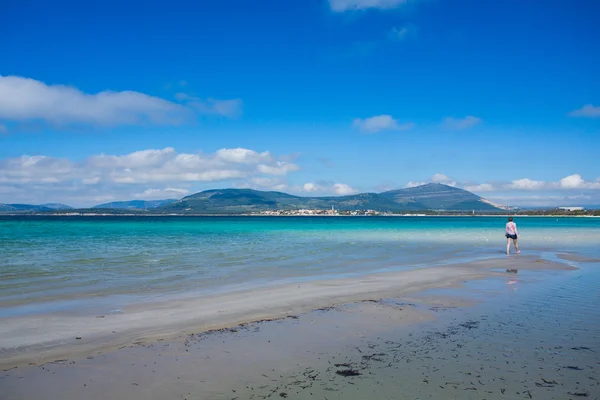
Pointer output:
40, 339
413, 332
577, 258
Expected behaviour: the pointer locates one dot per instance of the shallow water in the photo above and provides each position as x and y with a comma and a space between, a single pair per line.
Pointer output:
530, 335
70, 264
534, 336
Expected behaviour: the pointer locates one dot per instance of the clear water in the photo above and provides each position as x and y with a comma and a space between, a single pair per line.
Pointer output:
56, 264
533, 336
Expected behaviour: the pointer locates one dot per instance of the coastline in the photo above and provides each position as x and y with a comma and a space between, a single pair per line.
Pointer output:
465, 215
36, 340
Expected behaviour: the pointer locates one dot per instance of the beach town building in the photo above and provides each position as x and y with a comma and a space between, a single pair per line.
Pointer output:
331, 211
571, 208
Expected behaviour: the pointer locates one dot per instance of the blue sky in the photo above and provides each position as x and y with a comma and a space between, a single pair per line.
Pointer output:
109, 100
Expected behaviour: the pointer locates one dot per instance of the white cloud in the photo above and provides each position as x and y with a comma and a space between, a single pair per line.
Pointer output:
140, 170
310, 187
526, 184
570, 182
380, 123
483, 187
415, 184
244, 156
278, 168
575, 181
137, 159
25, 99
587, 110
91, 180
440, 178
546, 200
352, 5
34, 169
343, 189
460, 123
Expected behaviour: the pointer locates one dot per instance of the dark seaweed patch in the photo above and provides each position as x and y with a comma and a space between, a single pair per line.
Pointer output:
329, 308
581, 348
470, 324
579, 394
573, 367
348, 372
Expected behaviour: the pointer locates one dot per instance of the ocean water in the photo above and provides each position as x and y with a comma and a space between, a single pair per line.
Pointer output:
69, 264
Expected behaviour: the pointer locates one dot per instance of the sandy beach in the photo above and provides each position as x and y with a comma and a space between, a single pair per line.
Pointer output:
35, 339
225, 344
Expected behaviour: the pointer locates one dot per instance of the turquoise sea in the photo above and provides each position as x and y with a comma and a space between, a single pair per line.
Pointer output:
86, 264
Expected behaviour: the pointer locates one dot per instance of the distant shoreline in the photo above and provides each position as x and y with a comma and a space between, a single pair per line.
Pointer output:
289, 216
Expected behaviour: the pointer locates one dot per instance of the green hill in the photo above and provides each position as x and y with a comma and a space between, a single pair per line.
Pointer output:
421, 198
33, 207
436, 196
23, 208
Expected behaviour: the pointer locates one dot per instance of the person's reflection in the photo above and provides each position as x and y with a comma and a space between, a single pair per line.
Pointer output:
513, 280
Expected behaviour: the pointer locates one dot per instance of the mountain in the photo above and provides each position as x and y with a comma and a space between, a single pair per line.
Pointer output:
233, 201
22, 208
368, 201
436, 196
236, 201
421, 198
33, 207
136, 204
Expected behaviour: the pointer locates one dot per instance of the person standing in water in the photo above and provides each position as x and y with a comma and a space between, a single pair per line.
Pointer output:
511, 234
